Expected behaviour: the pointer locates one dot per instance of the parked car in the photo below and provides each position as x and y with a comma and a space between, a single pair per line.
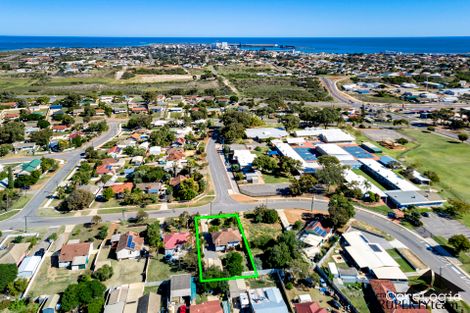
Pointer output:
425, 214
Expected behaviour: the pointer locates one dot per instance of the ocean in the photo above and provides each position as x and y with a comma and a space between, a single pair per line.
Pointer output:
436, 45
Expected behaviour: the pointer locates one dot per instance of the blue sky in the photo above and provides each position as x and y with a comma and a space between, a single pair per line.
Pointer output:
254, 18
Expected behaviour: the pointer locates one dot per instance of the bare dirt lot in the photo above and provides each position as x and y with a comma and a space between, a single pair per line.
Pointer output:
161, 78
383, 134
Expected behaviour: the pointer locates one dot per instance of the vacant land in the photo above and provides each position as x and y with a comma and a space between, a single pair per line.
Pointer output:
105, 82
268, 82
159, 270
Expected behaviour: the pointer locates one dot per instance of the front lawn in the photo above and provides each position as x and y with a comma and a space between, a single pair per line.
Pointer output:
272, 179
404, 265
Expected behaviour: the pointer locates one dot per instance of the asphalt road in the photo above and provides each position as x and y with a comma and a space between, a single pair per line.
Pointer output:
71, 159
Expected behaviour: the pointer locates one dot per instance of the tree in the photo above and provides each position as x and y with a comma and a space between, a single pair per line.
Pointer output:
43, 124
330, 174
11, 179
96, 219
278, 256
50, 165
457, 208
153, 234
265, 163
402, 141
108, 194
233, 263
77, 200
141, 216
289, 166
264, 215
341, 210
9, 272
215, 287
163, 137
188, 189
103, 273
137, 121
11, 132
290, 122
432, 176
460, 243
462, 137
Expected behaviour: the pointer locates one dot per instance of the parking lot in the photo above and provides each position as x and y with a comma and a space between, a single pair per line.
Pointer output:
444, 227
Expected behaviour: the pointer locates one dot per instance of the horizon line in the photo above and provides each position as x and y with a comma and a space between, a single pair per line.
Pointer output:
167, 36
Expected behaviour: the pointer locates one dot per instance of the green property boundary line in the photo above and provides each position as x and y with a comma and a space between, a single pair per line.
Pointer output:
245, 244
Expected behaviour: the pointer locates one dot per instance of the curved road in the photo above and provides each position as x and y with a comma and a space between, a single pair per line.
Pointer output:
226, 204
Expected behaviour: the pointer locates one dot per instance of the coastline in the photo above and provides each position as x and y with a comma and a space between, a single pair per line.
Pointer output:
333, 45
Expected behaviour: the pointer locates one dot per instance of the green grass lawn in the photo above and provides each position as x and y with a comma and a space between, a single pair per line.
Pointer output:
7, 215
404, 265
272, 179
159, 270
355, 294
443, 156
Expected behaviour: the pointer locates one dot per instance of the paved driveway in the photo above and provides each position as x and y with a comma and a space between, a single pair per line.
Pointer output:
444, 227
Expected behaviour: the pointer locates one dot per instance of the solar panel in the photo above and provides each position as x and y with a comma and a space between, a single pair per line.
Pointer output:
130, 244
375, 248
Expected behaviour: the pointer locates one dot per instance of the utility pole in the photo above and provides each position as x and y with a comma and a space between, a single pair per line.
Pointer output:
210, 208
312, 205
25, 224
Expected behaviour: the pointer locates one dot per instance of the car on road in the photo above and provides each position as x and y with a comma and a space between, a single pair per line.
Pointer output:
443, 214
425, 214
40, 252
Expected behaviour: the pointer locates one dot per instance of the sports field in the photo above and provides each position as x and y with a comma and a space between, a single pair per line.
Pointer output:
448, 158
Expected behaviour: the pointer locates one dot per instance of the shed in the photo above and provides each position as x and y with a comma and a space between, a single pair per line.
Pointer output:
29, 266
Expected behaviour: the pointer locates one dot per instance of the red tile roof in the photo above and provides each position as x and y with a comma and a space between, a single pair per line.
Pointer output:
207, 307
120, 188
170, 241
69, 251
382, 289
225, 236
175, 181
309, 307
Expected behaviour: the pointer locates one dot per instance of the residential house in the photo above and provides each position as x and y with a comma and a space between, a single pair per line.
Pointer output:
315, 233
387, 302
175, 154
114, 152
174, 242
129, 246
15, 254
60, 128
24, 147
28, 266
75, 255
150, 188
267, 300
213, 306
175, 181
180, 288
149, 303
120, 188
226, 238
29, 167
137, 160
309, 307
